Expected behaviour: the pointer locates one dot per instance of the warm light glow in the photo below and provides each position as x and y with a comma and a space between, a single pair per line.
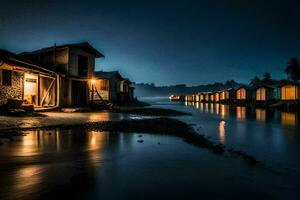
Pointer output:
261, 94
288, 118
241, 94
241, 112
222, 131
289, 92
224, 110
260, 114
93, 81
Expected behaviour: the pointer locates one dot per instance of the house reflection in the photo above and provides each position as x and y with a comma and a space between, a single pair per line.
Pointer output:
217, 109
28, 180
224, 110
201, 106
288, 118
260, 114
212, 108
41, 141
222, 131
241, 112
206, 107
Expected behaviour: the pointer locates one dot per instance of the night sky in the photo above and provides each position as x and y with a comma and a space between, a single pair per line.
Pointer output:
165, 42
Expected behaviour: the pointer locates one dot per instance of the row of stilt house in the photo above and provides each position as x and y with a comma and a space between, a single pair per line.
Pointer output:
59, 76
288, 92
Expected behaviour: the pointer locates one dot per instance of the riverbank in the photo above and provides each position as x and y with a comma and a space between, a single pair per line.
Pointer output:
162, 125
149, 111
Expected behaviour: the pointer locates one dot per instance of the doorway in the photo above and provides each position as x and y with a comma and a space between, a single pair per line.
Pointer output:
31, 89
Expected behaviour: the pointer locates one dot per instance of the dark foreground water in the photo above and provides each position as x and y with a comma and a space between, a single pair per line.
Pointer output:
76, 164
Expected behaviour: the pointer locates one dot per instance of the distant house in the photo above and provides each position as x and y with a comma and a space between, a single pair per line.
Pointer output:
290, 92
126, 90
201, 97
108, 85
197, 97
243, 93
217, 96
227, 95
27, 82
264, 93
206, 97
76, 63
211, 97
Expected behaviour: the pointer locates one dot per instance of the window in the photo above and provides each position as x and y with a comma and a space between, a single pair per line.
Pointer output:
82, 66
104, 85
5, 77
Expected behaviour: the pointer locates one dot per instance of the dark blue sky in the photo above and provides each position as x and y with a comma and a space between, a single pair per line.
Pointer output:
166, 42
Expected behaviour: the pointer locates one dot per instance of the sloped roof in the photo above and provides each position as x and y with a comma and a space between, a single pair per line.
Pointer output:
84, 46
108, 75
14, 59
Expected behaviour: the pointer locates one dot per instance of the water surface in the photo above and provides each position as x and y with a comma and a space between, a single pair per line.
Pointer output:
81, 164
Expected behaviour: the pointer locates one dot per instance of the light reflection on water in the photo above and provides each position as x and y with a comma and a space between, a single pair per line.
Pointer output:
270, 135
100, 165
243, 113
222, 131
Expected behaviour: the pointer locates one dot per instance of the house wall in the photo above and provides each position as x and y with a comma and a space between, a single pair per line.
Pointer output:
61, 58
217, 96
114, 89
211, 97
206, 96
241, 94
131, 93
73, 61
15, 91
65, 94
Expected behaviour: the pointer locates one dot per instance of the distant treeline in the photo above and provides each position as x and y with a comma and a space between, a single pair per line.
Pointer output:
150, 90
292, 71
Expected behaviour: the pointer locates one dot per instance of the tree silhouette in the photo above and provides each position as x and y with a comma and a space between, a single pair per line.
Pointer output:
255, 81
293, 69
267, 78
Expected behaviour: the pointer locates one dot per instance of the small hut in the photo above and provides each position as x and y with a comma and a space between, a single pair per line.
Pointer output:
27, 83
227, 95
290, 92
206, 97
217, 96
243, 93
211, 97
264, 93
201, 97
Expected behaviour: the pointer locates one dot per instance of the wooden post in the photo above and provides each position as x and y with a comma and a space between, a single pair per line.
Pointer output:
92, 91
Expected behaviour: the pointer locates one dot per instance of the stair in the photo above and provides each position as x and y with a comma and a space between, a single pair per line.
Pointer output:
98, 101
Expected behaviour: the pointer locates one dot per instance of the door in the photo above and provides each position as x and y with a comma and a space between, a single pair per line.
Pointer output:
31, 89
79, 93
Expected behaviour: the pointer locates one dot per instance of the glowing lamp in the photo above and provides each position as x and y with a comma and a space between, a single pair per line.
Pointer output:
93, 81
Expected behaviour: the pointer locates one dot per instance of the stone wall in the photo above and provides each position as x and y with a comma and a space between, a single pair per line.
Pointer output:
15, 91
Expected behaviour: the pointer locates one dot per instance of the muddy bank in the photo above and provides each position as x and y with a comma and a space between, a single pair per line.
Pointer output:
163, 125
155, 126
20, 113
149, 111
